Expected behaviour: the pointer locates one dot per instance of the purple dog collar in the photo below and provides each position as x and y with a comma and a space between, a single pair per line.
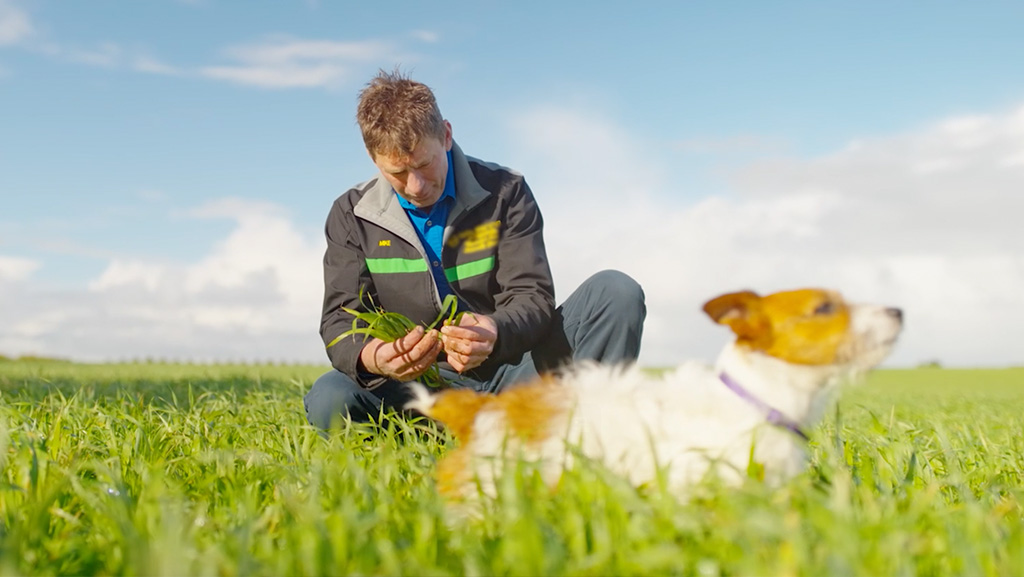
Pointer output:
772, 415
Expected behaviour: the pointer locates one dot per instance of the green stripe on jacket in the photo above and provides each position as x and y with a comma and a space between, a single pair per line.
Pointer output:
469, 269
453, 274
390, 265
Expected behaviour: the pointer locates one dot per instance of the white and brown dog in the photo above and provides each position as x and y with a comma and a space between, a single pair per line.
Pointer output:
754, 405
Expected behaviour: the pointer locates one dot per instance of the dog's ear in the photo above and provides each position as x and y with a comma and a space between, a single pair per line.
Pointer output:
741, 311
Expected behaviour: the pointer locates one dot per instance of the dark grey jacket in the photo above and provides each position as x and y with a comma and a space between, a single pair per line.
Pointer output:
493, 257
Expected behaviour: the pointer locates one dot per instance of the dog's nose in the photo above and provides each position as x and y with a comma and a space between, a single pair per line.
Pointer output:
895, 313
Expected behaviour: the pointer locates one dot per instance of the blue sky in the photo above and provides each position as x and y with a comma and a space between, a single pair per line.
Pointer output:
166, 166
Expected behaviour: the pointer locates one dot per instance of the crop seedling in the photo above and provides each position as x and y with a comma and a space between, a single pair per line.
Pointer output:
389, 326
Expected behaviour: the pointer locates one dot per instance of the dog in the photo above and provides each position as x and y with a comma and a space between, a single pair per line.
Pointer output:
752, 408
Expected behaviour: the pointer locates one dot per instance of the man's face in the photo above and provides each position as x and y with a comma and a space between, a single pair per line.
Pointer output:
420, 176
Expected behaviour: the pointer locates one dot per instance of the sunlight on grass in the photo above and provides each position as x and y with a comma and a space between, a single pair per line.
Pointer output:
172, 470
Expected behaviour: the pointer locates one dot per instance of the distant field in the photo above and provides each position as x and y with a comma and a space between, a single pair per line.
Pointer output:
11, 372
211, 470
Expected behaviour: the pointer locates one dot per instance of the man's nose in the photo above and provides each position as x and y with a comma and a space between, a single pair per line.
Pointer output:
414, 183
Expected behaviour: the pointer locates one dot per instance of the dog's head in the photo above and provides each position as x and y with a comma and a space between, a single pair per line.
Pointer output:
809, 326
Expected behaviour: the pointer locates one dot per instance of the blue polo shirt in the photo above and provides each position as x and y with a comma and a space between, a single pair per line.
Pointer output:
429, 224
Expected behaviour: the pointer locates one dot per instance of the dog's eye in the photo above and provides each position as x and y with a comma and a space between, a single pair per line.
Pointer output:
825, 308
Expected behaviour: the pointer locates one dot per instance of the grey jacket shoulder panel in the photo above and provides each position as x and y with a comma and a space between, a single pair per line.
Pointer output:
379, 206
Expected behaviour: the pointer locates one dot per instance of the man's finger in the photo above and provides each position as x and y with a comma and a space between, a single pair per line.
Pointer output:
406, 343
466, 334
458, 362
425, 344
466, 320
412, 365
423, 354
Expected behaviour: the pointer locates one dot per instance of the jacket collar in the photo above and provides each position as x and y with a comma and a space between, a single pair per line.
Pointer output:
468, 192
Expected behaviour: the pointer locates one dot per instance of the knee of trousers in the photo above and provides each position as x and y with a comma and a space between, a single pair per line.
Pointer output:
619, 292
334, 395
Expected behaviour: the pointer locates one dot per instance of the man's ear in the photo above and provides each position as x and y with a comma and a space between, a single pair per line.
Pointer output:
741, 312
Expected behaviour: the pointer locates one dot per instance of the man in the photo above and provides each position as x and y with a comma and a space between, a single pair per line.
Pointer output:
436, 222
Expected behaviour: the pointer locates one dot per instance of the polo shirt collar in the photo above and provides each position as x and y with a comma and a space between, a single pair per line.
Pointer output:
447, 195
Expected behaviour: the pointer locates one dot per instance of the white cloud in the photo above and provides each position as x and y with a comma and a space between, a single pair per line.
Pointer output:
746, 144
152, 195
288, 51
15, 24
114, 56
16, 28
149, 64
295, 63
264, 241
14, 269
277, 62
305, 76
147, 276
943, 244
255, 295
106, 55
428, 36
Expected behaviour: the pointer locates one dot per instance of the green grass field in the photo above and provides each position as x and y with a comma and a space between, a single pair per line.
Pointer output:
190, 470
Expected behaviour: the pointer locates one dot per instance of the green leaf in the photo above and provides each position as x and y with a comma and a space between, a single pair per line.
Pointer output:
390, 326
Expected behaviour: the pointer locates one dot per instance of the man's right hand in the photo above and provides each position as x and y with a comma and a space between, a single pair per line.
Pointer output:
406, 358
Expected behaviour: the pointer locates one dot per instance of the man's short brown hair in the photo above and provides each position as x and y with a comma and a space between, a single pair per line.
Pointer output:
395, 112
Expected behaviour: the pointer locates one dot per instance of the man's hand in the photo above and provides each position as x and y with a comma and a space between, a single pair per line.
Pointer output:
406, 358
469, 343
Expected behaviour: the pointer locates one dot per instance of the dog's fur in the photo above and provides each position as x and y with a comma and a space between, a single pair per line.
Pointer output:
790, 349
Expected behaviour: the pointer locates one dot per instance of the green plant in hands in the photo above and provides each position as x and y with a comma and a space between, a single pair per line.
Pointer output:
389, 326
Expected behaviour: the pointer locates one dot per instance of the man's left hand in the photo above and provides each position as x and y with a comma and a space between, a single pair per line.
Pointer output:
469, 343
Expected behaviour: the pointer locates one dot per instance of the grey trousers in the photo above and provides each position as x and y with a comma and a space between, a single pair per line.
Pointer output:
602, 321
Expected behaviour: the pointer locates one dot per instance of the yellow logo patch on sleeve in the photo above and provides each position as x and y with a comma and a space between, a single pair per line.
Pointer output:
384, 242
481, 237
